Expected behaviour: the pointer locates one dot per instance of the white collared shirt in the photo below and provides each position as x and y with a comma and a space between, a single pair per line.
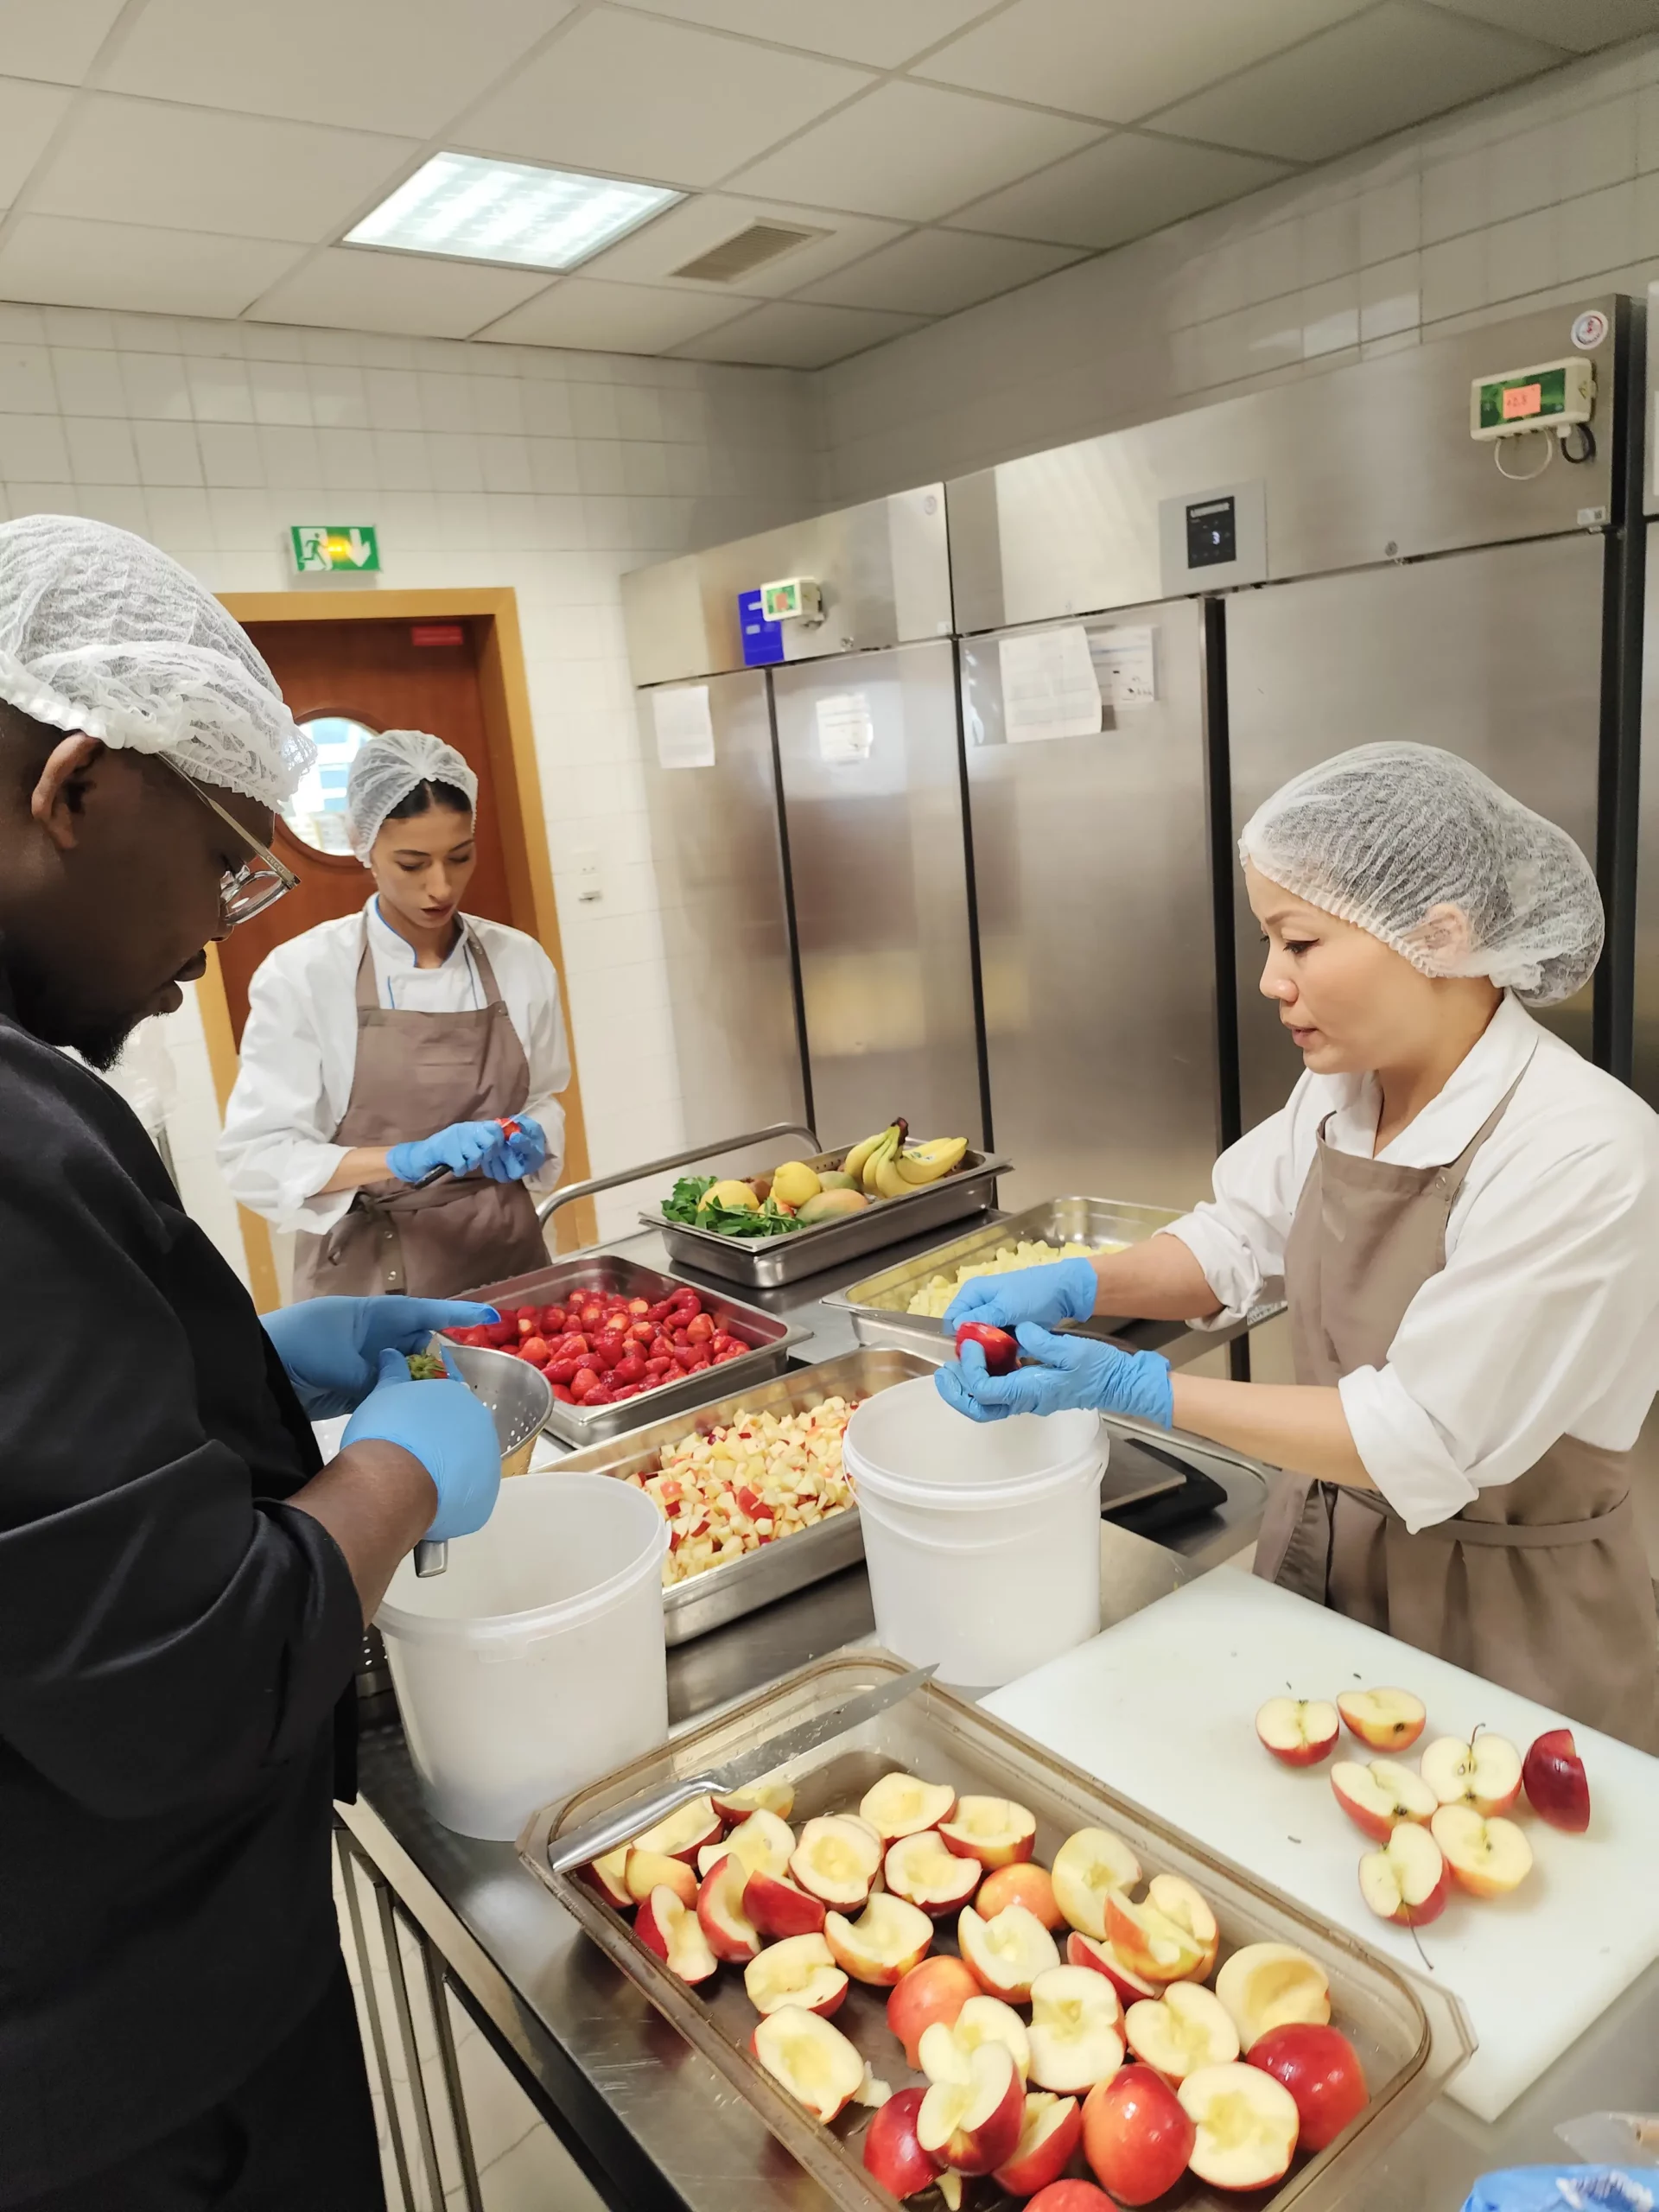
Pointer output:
1544, 1321
299, 1053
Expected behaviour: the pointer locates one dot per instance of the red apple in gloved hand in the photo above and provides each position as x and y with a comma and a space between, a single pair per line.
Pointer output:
1558, 1789
1001, 1352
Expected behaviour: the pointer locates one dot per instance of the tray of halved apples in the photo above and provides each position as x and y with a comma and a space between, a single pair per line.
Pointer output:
946, 1967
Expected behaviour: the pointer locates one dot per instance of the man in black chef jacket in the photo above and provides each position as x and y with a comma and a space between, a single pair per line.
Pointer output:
183, 1584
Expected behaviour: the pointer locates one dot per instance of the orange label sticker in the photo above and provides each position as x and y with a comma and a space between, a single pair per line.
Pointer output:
1522, 399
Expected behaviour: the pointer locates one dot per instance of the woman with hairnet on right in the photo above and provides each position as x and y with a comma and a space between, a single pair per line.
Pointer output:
1465, 1215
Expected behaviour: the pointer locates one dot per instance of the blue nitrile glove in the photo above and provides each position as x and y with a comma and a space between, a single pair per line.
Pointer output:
1546, 2188
449, 1431
1065, 1290
1074, 1372
522, 1155
331, 1346
460, 1147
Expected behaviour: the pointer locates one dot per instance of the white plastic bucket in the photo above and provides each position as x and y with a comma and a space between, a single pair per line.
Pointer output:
982, 1539
535, 1663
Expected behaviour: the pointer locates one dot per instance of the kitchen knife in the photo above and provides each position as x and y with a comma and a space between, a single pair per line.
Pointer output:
594, 1838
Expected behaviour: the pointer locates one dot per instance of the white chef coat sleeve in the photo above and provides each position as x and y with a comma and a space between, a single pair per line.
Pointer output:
548, 1051
1239, 1236
276, 1151
1548, 1292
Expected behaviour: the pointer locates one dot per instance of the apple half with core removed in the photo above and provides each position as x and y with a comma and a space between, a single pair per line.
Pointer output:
1087, 1866
762, 1840
1049, 2130
666, 1927
1484, 1773
1136, 2135
1084, 1951
1488, 1857
1407, 1881
1008, 1952
1321, 2069
930, 1994
1075, 2032
892, 2153
684, 1833
800, 1971
1386, 1720
974, 2126
1021, 1883
900, 1805
731, 1934
608, 1876
993, 1830
1558, 1788
1377, 1797
920, 1869
1157, 1947
646, 1871
1269, 1985
813, 2059
757, 1797
1301, 1730
837, 1860
779, 1909
1247, 2124
1185, 2028
945, 2054
888, 1939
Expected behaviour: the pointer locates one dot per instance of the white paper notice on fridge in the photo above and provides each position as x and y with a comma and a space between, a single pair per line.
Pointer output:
1049, 685
685, 730
1126, 667
846, 732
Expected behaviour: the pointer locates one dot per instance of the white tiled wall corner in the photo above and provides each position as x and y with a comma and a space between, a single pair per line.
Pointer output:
1520, 201
482, 465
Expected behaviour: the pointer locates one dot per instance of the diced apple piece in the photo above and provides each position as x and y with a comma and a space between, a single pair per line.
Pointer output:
682, 1834
920, 1869
608, 1876
665, 1926
1488, 1857
732, 1936
1008, 1952
837, 1860
974, 2126
813, 2059
1185, 2028
777, 1797
1387, 1721
1301, 1730
1021, 1883
1377, 1797
1049, 2130
1177, 1899
1557, 1787
931, 1994
1247, 2125
1135, 2136
1084, 1951
646, 1871
779, 1909
945, 2054
1269, 1985
900, 1805
761, 1841
1086, 1867
893, 2154
1321, 2069
1407, 1881
1484, 1773
882, 1946
1075, 2024
1157, 1947
993, 1830
800, 1971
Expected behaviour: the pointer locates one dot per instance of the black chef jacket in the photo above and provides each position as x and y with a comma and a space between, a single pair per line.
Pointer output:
173, 1643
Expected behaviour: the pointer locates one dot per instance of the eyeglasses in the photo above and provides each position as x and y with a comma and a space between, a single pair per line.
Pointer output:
249, 890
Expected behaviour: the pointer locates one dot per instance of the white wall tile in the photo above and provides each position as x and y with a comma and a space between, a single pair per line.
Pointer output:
167, 452
88, 382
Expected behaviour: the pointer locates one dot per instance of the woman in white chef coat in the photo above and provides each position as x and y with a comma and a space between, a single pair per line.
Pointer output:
383, 1051
1465, 1215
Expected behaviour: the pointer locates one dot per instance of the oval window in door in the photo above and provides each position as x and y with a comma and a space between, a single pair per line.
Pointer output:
316, 813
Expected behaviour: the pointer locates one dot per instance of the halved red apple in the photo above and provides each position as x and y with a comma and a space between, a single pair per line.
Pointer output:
1377, 1797
1488, 1857
1484, 1773
1321, 2069
684, 1833
1007, 1952
608, 1876
1086, 1867
882, 1946
892, 2152
1407, 1881
664, 1926
762, 1840
1175, 1897
1269, 1985
1246, 2125
993, 1830
1301, 1730
1049, 2129
1185, 2028
1075, 2024
1557, 1787
1021, 1883
1084, 1951
813, 2059
1135, 2136
1159, 1948
837, 1860
732, 1935
768, 1796
1387, 1721
900, 1805
646, 1871
779, 1909
930, 1995
974, 2126
1068, 2195
920, 1869
800, 1971
945, 2053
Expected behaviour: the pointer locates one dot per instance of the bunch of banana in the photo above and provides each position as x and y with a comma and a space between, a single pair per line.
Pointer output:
887, 1168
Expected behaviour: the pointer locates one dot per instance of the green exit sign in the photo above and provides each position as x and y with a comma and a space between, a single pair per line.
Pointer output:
322, 545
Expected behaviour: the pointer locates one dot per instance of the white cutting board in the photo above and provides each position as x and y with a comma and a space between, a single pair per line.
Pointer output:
1162, 1707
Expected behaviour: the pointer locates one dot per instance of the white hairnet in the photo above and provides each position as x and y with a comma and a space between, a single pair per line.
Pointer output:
388, 769
1381, 836
102, 632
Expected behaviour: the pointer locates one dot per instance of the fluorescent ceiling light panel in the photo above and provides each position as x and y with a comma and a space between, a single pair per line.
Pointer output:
476, 209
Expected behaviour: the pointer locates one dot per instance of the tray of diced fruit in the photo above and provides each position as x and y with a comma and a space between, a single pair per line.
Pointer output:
941, 1964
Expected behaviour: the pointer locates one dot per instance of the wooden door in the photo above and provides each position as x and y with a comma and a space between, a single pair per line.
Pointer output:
391, 675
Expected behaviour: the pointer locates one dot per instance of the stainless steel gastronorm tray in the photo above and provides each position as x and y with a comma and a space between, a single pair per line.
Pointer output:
1411, 2037
879, 1304
767, 1262
725, 1593
550, 1285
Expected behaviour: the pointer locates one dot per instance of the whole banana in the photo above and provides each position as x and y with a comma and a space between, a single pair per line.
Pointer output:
884, 1153
921, 1163
854, 1163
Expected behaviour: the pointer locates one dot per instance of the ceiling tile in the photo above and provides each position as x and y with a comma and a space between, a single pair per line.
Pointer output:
793, 334
1348, 86
401, 65
193, 168
347, 288
708, 219
67, 263
875, 31
1119, 189
913, 151
28, 116
629, 94
1121, 59
54, 38
613, 318
936, 273
1584, 26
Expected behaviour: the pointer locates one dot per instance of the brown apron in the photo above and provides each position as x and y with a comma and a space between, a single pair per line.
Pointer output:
416, 1073
1541, 1584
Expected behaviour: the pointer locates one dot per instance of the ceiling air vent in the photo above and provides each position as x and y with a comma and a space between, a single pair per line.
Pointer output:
749, 250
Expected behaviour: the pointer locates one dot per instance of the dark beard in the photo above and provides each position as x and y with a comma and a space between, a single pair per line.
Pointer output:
97, 1037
